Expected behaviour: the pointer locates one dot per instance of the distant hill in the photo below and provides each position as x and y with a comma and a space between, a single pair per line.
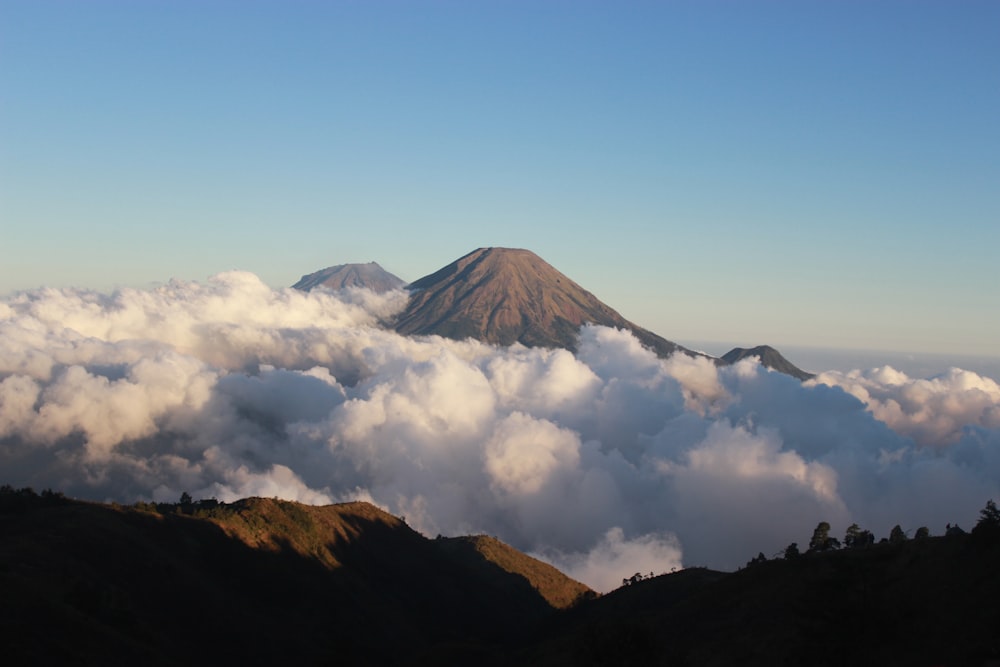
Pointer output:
505, 296
263, 581
369, 275
769, 357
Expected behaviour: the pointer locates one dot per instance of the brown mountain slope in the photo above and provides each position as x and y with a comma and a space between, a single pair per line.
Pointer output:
369, 275
477, 550
505, 296
257, 581
327, 533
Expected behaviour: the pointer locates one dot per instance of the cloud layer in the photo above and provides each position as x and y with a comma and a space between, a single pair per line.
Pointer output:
607, 462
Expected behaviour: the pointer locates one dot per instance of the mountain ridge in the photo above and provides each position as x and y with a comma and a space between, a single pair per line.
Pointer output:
204, 582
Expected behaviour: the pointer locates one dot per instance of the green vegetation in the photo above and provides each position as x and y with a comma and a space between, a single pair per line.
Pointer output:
821, 539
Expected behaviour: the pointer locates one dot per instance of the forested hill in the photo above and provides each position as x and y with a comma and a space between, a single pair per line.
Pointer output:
263, 581
927, 601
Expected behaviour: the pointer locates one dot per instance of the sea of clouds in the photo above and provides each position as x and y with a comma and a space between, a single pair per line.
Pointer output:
605, 462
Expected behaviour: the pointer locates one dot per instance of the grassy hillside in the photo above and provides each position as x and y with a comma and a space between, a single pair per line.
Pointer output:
495, 558
258, 581
264, 581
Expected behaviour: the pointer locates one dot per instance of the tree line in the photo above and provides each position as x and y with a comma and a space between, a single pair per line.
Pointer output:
987, 528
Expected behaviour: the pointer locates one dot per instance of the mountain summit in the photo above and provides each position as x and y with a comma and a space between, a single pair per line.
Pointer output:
369, 275
507, 295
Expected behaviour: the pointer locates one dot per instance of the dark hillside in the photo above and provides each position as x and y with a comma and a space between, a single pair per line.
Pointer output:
925, 602
258, 582
264, 581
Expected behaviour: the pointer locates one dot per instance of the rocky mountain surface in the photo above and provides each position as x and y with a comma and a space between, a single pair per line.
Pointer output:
505, 296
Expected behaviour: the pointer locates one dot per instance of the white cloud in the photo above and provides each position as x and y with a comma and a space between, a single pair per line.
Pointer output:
524, 453
611, 461
932, 411
615, 558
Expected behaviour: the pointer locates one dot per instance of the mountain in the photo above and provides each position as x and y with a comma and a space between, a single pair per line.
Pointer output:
504, 296
263, 581
508, 295
769, 357
258, 581
369, 275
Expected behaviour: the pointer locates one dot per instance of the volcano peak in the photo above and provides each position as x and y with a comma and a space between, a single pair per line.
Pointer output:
510, 295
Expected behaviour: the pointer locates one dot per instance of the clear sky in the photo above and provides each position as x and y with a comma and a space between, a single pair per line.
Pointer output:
799, 173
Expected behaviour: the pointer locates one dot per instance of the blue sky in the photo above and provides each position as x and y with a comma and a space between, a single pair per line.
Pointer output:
797, 173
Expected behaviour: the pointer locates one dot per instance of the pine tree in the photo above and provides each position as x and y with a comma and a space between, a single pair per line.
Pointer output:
820, 537
990, 514
987, 529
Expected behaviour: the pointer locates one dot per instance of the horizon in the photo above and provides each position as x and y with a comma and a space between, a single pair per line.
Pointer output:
809, 357
797, 174
815, 359
918, 362
811, 176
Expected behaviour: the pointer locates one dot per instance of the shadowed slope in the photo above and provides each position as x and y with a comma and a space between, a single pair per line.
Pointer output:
258, 581
505, 296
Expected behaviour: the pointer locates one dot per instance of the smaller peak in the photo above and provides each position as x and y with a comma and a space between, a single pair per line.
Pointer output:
370, 275
769, 358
